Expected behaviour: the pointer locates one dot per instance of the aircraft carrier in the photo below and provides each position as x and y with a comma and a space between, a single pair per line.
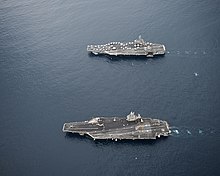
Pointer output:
117, 128
135, 48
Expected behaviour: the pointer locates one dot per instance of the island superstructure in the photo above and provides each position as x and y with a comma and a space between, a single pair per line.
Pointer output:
117, 128
135, 48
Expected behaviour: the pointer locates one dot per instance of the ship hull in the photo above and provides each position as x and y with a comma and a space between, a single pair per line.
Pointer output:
136, 48
117, 128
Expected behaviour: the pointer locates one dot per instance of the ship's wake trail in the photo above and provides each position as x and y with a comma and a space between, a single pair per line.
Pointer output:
191, 132
193, 53
188, 53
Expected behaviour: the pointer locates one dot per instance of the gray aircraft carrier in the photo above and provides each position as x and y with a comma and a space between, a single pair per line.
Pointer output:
135, 48
117, 128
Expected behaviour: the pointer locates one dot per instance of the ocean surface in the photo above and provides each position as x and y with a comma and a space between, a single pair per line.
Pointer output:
47, 78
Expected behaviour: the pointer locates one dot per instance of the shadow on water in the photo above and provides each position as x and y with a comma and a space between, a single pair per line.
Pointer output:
120, 58
109, 142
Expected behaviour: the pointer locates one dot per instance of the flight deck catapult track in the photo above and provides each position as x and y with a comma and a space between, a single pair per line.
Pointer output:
130, 127
135, 48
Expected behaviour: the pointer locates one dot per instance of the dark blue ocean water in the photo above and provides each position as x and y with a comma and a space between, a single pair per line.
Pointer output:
47, 78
